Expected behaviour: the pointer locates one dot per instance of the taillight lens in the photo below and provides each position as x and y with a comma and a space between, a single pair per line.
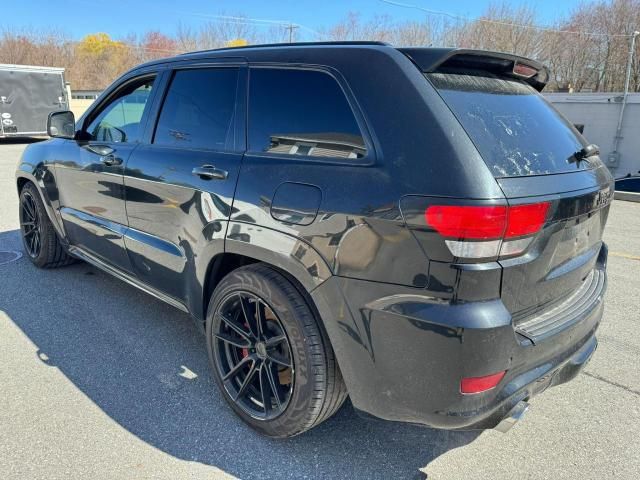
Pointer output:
472, 231
470, 222
526, 219
480, 384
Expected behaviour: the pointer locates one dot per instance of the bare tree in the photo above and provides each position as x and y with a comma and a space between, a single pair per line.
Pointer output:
186, 38
586, 51
504, 28
225, 29
33, 47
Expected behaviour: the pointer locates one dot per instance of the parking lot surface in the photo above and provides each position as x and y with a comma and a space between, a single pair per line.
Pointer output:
99, 380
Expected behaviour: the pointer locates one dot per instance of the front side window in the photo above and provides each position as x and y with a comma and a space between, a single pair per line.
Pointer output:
198, 111
120, 121
302, 113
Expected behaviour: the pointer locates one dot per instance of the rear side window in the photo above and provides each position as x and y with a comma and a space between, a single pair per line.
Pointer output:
198, 111
513, 127
302, 113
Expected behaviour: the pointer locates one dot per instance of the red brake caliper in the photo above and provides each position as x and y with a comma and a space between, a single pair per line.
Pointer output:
245, 351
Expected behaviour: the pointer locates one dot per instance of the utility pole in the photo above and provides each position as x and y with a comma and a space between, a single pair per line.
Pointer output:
614, 156
291, 27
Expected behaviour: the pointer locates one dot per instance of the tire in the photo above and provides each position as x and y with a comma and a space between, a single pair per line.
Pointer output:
316, 390
39, 238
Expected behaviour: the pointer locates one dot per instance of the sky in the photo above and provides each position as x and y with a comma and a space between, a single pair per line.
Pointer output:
119, 18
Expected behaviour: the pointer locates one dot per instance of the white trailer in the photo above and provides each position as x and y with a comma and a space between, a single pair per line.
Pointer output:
27, 95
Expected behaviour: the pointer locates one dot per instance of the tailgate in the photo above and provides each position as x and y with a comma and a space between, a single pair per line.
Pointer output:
542, 164
561, 260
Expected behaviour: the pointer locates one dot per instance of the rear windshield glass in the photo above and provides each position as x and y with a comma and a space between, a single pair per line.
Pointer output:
514, 128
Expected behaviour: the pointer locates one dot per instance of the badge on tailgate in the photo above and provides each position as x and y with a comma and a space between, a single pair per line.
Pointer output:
602, 197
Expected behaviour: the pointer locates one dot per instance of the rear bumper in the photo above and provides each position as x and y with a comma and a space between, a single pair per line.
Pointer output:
528, 384
403, 354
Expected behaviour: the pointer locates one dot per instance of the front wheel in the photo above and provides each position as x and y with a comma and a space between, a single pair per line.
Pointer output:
41, 243
269, 355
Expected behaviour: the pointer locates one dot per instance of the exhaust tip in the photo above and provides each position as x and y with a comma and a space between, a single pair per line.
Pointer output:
513, 417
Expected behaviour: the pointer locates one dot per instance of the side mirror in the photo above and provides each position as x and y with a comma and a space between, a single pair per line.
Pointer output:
61, 124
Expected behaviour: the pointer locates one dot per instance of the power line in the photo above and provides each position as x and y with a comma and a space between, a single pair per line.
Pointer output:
498, 22
286, 24
239, 19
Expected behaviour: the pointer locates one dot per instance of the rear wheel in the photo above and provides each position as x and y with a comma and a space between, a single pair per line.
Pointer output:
41, 243
269, 355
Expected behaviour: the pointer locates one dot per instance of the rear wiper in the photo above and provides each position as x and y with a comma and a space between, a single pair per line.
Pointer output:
586, 152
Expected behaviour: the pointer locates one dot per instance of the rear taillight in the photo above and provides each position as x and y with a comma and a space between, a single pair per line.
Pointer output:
525, 219
472, 385
472, 231
468, 222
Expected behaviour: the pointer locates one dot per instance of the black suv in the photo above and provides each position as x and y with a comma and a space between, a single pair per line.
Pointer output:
416, 228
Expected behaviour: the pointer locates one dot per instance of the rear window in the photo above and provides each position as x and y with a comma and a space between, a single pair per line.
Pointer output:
301, 113
513, 127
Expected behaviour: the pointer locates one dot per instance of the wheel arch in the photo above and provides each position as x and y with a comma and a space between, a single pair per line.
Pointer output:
21, 182
220, 266
224, 263
237, 254
23, 178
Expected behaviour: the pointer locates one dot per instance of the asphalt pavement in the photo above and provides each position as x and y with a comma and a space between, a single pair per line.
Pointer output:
101, 381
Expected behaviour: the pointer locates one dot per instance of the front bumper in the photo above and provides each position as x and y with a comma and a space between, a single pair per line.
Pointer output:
402, 354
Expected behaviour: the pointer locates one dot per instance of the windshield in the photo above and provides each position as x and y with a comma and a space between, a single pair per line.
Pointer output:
513, 127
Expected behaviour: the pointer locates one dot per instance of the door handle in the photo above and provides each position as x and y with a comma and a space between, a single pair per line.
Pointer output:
102, 150
209, 172
106, 153
111, 160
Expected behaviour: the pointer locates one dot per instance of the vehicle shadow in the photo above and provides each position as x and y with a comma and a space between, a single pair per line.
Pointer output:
145, 365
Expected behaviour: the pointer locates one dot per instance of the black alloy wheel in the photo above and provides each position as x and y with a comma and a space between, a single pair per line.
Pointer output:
269, 353
253, 355
30, 224
39, 237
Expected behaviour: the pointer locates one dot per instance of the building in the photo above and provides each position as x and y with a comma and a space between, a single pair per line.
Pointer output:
599, 114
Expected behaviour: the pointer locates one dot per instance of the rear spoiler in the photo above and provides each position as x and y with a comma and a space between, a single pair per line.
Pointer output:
430, 60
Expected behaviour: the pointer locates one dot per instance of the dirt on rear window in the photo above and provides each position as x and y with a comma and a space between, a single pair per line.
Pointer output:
516, 131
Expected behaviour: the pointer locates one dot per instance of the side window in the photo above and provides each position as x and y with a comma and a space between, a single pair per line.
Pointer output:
120, 120
198, 111
301, 112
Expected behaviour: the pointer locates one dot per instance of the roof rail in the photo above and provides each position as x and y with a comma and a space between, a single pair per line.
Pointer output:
293, 44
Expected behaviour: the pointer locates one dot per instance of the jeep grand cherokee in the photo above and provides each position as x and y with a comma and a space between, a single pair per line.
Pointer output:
415, 228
